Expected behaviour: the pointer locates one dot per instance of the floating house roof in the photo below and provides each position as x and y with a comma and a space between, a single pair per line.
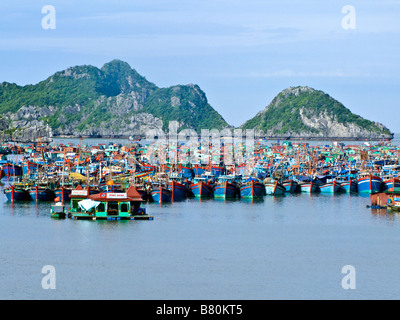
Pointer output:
130, 195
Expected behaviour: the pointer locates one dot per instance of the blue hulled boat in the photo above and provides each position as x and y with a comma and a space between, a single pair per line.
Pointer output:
201, 188
389, 183
178, 189
309, 187
274, 188
349, 186
63, 194
291, 186
17, 193
30, 167
225, 189
331, 187
41, 194
12, 170
369, 184
251, 189
161, 194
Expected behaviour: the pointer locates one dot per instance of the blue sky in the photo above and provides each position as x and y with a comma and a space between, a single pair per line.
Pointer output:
241, 53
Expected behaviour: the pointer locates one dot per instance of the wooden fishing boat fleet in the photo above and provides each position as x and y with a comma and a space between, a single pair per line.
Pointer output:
43, 172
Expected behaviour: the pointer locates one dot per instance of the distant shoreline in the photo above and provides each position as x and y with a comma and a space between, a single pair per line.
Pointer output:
141, 137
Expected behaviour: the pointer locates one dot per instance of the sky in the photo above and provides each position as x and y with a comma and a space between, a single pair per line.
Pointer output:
240, 53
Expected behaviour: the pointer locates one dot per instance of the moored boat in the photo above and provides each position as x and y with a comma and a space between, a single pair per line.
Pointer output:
225, 189
17, 192
369, 183
394, 206
389, 183
161, 194
63, 193
274, 188
39, 193
30, 167
291, 186
331, 187
12, 170
178, 190
309, 187
202, 189
349, 186
252, 189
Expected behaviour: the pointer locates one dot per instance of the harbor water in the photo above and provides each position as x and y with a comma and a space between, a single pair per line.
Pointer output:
288, 247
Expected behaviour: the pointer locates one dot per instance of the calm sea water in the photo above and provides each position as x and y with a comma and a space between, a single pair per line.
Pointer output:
291, 247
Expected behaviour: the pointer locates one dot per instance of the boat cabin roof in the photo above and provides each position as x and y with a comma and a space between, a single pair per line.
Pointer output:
130, 196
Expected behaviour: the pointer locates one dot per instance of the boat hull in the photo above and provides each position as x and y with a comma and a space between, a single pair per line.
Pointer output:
291, 186
179, 190
390, 184
41, 194
331, 187
161, 195
349, 186
217, 171
202, 190
275, 189
371, 184
225, 190
252, 190
17, 195
29, 168
12, 170
63, 194
309, 187
186, 172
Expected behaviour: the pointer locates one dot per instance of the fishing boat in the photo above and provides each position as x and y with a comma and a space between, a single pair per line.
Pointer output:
17, 192
291, 186
63, 193
178, 189
217, 171
225, 189
331, 187
349, 186
112, 207
252, 188
12, 170
274, 188
186, 172
161, 194
57, 210
309, 187
30, 167
369, 183
389, 183
41, 193
201, 188
198, 170
143, 191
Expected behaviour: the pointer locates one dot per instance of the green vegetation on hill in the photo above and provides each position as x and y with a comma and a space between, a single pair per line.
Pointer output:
286, 112
185, 104
84, 97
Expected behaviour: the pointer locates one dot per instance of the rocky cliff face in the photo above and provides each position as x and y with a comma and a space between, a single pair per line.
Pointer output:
303, 112
112, 101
